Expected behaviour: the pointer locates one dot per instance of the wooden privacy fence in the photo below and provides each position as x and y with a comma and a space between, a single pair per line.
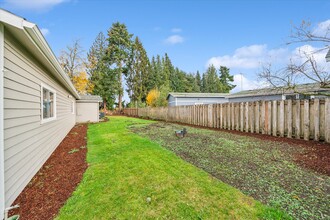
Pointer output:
307, 119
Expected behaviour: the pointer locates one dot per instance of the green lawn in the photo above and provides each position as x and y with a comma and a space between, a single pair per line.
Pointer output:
263, 169
125, 169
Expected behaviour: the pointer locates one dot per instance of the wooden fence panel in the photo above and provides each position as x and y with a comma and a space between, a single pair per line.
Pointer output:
257, 117
327, 120
241, 109
281, 118
307, 119
289, 119
316, 119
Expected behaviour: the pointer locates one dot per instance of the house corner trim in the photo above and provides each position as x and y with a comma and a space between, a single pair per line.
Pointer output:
2, 147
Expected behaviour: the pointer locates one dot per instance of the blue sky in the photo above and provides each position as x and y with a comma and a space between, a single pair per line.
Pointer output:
239, 34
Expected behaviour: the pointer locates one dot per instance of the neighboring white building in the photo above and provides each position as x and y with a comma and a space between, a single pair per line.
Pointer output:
303, 91
88, 108
178, 99
38, 104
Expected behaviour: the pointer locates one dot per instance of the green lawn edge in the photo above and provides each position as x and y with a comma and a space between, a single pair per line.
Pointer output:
125, 169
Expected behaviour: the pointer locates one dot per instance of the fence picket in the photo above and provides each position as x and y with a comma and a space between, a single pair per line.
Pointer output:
289, 118
307, 119
316, 119
281, 119
297, 124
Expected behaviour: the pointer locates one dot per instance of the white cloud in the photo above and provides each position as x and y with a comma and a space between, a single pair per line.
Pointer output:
174, 39
33, 4
243, 83
44, 31
323, 28
249, 57
301, 54
176, 30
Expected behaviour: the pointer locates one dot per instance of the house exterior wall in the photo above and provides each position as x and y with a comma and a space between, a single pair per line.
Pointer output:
27, 142
194, 100
2, 159
255, 98
87, 111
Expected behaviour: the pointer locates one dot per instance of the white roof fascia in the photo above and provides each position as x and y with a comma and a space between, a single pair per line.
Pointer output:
42, 45
34, 34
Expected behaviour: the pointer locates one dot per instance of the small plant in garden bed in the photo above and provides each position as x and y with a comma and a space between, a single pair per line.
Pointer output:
74, 150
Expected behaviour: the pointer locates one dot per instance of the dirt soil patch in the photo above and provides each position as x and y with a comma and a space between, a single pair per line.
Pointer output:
315, 156
281, 172
54, 183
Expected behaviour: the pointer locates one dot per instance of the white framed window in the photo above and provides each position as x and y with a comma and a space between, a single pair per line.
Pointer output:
72, 107
48, 104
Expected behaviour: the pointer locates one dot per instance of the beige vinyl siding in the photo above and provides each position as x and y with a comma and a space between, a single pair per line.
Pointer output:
28, 143
87, 111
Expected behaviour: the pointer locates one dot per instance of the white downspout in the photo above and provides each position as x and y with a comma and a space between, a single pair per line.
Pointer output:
2, 148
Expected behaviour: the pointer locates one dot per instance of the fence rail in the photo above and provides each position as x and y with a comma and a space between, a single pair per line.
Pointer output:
300, 119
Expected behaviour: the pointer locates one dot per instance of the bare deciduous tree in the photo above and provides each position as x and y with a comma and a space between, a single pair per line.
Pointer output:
306, 65
71, 59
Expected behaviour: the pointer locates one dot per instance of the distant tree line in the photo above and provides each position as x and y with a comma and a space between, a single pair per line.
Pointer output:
117, 57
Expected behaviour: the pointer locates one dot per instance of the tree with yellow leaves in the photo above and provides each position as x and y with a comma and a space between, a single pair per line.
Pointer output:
157, 98
82, 83
75, 66
152, 97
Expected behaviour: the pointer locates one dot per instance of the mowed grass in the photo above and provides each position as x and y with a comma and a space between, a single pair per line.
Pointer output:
125, 169
263, 169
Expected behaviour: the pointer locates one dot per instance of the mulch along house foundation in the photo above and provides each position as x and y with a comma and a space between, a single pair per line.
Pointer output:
39, 105
54, 183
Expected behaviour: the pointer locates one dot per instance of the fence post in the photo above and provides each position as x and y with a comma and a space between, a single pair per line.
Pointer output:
281, 119
263, 117
289, 118
274, 116
241, 105
252, 117
297, 127
269, 118
209, 118
316, 119
247, 117
221, 116
257, 117
306, 119
327, 119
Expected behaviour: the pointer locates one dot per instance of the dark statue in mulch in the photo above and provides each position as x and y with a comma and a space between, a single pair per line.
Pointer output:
54, 183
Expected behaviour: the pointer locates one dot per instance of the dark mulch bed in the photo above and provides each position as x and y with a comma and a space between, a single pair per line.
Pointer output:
54, 183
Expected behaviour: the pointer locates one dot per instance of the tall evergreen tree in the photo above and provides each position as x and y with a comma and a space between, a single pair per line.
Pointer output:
204, 83
138, 73
100, 73
159, 72
118, 54
168, 70
199, 81
213, 82
226, 79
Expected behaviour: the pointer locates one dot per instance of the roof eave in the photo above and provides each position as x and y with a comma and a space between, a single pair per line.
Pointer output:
37, 37
32, 31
